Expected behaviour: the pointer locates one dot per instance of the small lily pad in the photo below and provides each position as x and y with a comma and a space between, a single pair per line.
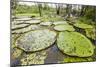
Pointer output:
75, 44
83, 26
36, 40
64, 27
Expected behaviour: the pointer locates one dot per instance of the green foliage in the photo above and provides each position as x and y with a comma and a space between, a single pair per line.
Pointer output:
91, 13
85, 20
82, 25
91, 33
75, 44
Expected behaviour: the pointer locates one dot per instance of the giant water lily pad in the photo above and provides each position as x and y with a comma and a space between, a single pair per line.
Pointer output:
83, 26
14, 27
75, 44
60, 22
46, 23
64, 27
23, 19
17, 22
33, 21
36, 40
26, 29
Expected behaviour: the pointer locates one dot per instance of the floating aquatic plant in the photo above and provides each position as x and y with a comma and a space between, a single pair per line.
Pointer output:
64, 27
25, 29
36, 40
46, 23
75, 44
60, 22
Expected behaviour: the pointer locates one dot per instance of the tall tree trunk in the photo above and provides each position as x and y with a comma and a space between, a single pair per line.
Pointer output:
40, 9
68, 10
82, 11
58, 9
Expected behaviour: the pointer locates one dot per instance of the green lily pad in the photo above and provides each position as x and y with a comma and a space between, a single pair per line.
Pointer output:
23, 19
19, 26
91, 33
33, 21
83, 26
46, 23
33, 58
25, 29
64, 27
60, 22
36, 40
75, 44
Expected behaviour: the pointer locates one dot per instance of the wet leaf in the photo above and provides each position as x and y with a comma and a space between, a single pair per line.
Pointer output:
36, 40
75, 44
64, 27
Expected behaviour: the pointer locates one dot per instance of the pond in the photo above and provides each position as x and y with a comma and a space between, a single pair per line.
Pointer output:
37, 42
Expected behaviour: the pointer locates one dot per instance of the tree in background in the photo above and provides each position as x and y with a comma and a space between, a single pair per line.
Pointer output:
58, 9
40, 8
